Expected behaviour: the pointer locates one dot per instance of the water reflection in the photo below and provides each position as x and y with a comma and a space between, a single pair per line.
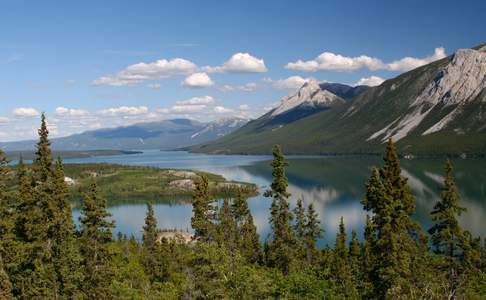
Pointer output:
334, 184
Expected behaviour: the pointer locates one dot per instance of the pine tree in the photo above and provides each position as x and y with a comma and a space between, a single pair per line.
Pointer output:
249, 241
283, 243
299, 228
312, 232
368, 259
355, 256
203, 211
389, 197
95, 237
150, 231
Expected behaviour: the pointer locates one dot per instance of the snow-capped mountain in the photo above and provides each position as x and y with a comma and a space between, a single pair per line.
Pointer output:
309, 96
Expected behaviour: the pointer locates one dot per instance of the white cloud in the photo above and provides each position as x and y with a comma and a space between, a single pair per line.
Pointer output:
240, 63
222, 110
72, 112
291, 83
244, 107
154, 86
371, 81
187, 108
160, 69
25, 112
69, 81
198, 80
197, 100
124, 111
4, 120
249, 87
328, 61
409, 63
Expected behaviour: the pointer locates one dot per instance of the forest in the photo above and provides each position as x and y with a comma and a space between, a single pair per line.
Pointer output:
43, 255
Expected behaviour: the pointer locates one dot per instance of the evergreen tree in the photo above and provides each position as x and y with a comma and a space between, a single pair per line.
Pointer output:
203, 211
312, 232
66, 255
6, 231
341, 268
150, 231
299, 229
283, 242
43, 157
249, 241
227, 228
368, 259
447, 235
355, 256
95, 237
389, 197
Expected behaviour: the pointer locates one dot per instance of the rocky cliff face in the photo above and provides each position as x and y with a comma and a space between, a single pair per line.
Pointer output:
453, 87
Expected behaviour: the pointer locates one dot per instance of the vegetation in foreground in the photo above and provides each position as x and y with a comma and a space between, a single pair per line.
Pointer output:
43, 255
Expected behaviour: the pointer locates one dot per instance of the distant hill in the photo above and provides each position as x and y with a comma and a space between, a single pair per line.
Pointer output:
167, 134
436, 109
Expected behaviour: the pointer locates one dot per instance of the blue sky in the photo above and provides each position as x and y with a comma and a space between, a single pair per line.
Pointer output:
92, 64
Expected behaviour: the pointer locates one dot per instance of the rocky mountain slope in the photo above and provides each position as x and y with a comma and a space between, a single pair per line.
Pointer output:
436, 109
166, 134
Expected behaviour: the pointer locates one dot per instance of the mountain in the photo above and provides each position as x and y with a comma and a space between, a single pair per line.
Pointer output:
436, 109
166, 134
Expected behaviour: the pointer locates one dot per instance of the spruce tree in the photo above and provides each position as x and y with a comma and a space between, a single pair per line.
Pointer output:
150, 231
389, 197
299, 228
6, 231
203, 211
66, 254
341, 268
43, 157
95, 237
447, 235
227, 230
249, 241
282, 245
312, 232
355, 257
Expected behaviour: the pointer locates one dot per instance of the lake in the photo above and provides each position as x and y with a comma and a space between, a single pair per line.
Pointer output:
334, 184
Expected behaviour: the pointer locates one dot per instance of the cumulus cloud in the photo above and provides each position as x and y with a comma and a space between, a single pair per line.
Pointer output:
240, 63
290, 83
160, 69
23, 112
198, 80
71, 112
371, 81
124, 111
197, 100
222, 110
244, 107
328, 61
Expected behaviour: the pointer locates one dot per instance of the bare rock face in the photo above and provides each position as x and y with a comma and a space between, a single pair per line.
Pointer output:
309, 95
186, 184
457, 84
183, 174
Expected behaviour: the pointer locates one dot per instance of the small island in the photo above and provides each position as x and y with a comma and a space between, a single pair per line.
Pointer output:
121, 183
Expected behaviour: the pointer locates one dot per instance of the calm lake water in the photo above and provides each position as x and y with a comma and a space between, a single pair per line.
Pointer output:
334, 184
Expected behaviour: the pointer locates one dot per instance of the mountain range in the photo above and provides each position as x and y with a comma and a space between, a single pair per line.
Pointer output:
166, 134
436, 109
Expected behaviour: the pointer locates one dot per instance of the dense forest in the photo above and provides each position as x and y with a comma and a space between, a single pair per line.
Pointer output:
43, 255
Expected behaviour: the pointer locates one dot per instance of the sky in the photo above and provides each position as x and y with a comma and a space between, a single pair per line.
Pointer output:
96, 64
